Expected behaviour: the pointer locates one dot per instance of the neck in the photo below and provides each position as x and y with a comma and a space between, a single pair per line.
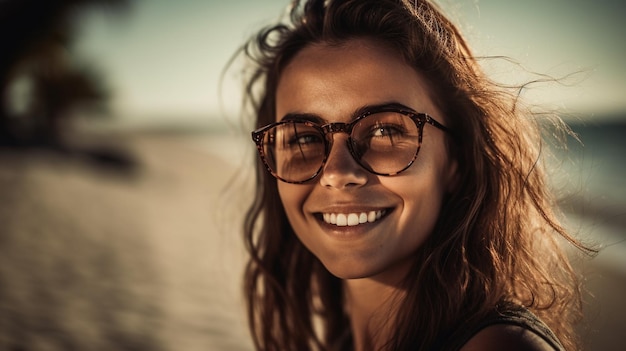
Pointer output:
372, 308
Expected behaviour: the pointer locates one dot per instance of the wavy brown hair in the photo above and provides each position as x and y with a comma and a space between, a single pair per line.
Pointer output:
497, 238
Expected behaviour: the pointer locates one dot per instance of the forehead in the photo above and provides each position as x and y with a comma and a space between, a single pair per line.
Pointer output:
332, 81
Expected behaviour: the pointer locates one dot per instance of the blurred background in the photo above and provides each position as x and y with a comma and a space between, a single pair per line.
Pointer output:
124, 164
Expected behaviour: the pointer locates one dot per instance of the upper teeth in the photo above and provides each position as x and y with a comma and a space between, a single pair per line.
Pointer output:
352, 219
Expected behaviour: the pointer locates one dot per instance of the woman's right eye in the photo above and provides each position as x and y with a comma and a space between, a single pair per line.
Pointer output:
305, 139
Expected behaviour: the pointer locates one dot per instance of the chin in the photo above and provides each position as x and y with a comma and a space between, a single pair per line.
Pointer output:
347, 271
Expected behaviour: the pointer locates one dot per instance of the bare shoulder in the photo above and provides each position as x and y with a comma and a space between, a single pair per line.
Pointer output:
506, 337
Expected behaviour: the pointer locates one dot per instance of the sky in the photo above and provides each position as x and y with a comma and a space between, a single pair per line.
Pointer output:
163, 59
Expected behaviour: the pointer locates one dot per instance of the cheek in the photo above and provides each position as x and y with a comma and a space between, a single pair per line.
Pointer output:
421, 201
292, 197
422, 193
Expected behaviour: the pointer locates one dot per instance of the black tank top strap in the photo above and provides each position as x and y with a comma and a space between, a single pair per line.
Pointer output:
506, 314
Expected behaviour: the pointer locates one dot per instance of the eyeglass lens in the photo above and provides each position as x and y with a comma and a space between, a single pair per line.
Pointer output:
383, 143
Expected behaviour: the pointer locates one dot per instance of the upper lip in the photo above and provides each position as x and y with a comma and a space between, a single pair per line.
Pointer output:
366, 202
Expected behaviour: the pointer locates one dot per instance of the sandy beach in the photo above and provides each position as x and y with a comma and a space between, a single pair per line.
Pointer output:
149, 257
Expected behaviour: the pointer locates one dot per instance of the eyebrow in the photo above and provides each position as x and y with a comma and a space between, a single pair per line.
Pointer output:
358, 112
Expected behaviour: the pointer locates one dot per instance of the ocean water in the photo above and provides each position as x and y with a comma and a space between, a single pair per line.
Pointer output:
590, 178
600, 160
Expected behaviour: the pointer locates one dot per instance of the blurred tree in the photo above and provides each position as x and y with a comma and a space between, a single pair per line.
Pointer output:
40, 83
65, 284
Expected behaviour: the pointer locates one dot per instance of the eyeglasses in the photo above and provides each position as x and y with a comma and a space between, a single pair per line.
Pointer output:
384, 140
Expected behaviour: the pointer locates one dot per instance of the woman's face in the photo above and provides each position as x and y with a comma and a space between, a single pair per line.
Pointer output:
332, 82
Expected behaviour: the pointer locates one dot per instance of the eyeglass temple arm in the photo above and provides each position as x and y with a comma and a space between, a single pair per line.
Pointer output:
256, 136
434, 123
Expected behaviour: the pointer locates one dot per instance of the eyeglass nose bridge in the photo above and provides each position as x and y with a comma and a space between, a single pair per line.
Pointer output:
338, 127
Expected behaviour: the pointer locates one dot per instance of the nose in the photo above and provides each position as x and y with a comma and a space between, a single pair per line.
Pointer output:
341, 170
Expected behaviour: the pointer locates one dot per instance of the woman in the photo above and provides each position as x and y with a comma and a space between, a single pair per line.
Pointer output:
400, 199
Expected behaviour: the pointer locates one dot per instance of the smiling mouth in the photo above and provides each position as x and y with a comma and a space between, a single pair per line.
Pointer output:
353, 219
